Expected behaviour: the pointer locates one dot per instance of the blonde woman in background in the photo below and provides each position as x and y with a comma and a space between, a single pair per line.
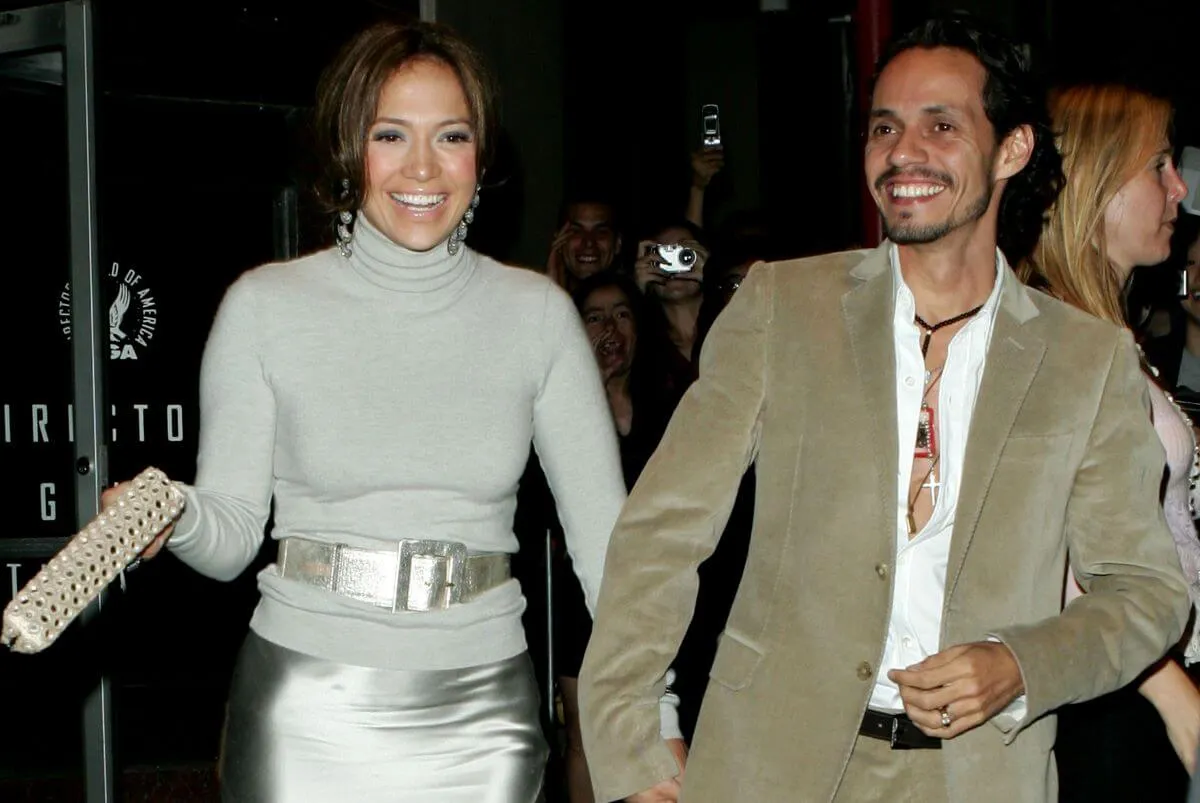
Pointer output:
1117, 212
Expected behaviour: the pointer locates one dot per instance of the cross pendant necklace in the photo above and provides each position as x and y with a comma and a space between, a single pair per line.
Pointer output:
933, 485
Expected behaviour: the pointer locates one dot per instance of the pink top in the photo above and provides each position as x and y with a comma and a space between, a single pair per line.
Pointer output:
1183, 468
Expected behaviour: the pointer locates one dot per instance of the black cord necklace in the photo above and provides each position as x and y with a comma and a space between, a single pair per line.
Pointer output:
929, 330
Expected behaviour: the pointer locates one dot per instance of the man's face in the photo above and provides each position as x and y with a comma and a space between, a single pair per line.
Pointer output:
930, 147
592, 242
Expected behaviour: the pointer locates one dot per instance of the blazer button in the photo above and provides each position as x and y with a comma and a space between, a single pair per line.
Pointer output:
864, 671
881, 569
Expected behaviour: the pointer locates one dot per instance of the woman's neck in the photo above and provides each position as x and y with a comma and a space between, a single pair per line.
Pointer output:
620, 403
683, 317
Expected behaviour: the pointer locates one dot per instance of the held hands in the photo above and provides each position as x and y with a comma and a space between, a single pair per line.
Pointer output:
966, 684
706, 163
665, 791
109, 497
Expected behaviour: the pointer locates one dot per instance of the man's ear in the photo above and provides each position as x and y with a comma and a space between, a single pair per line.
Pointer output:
1014, 153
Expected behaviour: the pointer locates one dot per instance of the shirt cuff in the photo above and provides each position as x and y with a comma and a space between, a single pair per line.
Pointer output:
1014, 713
668, 710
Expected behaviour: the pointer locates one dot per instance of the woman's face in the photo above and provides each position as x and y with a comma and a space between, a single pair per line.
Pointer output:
421, 165
608, 318
1140, 218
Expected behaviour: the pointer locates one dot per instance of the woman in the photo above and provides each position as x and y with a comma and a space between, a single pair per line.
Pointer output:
677, 316
382, 396
1116, 212
680, 307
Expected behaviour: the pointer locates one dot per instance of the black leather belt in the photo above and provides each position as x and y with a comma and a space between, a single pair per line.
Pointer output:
897, 730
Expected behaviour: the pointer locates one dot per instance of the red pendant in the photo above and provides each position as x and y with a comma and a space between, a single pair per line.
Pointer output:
926, 434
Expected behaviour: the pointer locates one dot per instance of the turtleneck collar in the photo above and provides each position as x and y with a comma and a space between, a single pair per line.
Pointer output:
385, 264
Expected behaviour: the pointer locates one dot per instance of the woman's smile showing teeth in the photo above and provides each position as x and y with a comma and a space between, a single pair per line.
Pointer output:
418, 202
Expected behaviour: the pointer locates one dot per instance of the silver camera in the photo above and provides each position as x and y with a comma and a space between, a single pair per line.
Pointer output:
676, 258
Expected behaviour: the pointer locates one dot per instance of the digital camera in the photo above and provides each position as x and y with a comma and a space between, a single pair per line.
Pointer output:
676, 258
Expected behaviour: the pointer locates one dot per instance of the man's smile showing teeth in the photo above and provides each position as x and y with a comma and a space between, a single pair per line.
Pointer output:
914, 190
418, 203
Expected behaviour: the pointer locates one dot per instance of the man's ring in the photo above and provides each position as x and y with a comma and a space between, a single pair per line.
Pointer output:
946, 718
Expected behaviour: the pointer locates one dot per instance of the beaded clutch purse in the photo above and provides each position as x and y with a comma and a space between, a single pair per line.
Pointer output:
90, 561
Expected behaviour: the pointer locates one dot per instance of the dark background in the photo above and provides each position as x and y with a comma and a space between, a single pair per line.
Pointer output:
201, 155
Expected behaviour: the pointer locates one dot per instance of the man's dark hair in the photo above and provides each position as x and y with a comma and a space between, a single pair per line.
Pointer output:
1012, 96
588, 195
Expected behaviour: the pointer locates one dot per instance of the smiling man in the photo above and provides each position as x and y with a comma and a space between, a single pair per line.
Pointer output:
587, 242
933, 442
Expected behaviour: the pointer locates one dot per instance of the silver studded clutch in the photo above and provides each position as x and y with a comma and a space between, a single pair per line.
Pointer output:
92, 559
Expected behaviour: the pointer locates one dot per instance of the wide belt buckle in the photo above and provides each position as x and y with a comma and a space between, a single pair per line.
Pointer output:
429, 575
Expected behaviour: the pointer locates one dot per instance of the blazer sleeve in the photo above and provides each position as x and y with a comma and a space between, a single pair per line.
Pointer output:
1122, 554
670, 524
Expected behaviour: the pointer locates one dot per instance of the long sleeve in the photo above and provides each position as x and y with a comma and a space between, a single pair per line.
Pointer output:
1122, 555
222, 526
576, 441
671, 523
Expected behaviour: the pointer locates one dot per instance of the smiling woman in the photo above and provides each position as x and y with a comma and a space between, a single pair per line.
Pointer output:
409, 122
382, 397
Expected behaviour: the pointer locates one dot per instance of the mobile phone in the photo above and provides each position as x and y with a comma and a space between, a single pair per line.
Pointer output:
710, 123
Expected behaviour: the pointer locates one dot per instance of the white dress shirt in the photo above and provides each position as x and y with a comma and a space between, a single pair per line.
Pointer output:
914, 630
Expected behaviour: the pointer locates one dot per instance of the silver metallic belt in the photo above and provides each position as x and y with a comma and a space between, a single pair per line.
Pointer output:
415, 576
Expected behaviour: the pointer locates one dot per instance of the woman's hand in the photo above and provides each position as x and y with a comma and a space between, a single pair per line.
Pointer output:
706, 163
109, 497
1177, 701
647, 269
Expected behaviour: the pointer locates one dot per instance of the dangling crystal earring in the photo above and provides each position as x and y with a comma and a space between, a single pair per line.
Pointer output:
344, 235
460, 231
344, 220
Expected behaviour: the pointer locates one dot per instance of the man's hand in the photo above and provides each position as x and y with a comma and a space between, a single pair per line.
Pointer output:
556, 266
969, 682
665, 791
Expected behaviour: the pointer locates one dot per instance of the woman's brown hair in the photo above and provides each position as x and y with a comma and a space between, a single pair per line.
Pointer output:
348, 99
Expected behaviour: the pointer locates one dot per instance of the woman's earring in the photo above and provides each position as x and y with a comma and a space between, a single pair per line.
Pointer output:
345, 219
460, 231
344, 234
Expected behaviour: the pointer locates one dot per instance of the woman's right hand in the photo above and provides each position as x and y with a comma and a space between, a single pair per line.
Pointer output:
109, 497
647, 269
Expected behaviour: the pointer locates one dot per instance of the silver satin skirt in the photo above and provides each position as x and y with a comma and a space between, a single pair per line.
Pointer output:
304, 730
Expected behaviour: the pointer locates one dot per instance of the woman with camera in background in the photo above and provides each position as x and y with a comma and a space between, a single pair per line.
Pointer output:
1116, 212
381, 397
669, 271
680, 307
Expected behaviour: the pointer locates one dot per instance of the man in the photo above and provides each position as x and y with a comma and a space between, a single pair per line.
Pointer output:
587, 242
898, 633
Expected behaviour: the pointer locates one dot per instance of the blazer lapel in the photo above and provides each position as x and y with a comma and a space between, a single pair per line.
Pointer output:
867, 311
1014, 355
